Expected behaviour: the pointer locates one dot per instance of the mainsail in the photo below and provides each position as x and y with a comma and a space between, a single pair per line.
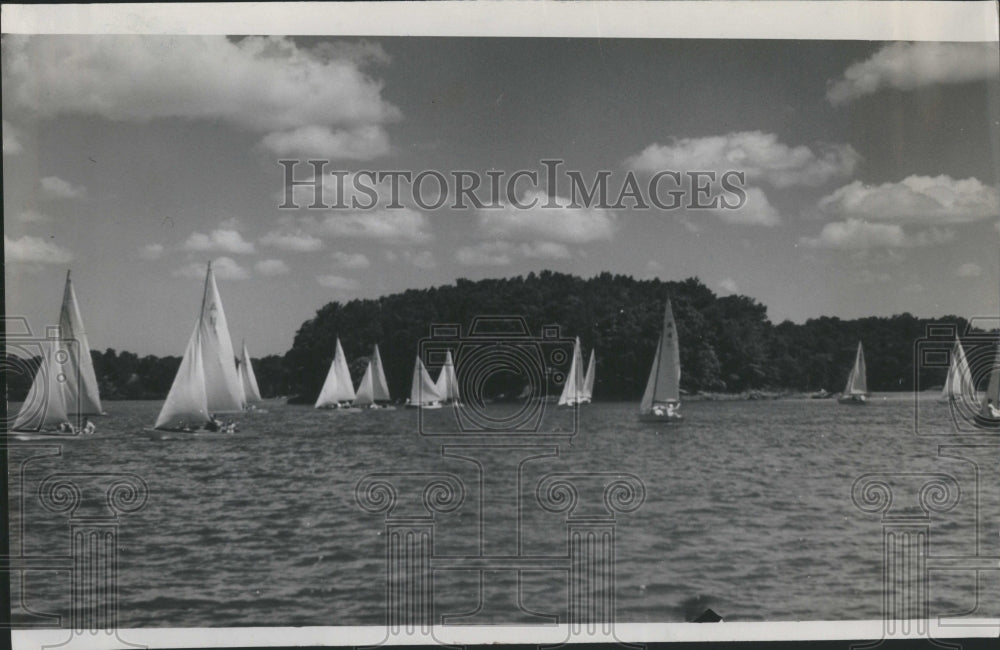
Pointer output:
573, 389
45, 406
380, 389
958, 385
338, 386
206, 382
857, 383
588, 380
247, 376
447, 383
663, 385
423, 391
366, 392
81, 383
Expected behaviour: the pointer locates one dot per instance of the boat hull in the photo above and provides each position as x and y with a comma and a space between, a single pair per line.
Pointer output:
164, 434
853, 400
663, 419
426, 407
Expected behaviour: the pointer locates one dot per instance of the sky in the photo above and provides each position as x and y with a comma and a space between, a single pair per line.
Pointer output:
871, 172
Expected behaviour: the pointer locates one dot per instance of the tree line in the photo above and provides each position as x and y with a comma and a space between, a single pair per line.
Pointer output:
727, 343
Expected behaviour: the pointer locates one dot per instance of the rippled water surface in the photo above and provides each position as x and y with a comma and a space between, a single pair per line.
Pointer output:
747, 510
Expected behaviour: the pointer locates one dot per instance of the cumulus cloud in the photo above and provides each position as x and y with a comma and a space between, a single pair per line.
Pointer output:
905, 66
760, 155
969, 270
421, 260
562, 225
403, 226
755, 211
298, 241
729, 285
225, 268
915, 199
34, 250
263, 84
350, 260
150, 252
362, 143
219, 240
11, 141
54, 187
338, 282
859, 234
271, 268
501, 253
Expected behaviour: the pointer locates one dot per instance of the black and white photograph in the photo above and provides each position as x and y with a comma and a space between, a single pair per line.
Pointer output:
344, 324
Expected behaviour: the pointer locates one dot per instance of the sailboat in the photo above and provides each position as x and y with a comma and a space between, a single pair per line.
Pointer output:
249, 380
662, 399
588, 381
373, 391
423, 392
856, 390
447, 382
958, 385
65, 383
338, 389
207, 382
573, 391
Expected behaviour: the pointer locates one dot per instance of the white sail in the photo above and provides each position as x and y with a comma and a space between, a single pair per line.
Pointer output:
958, 385
663, 385
207, 381
588, 380
423, 391
45, 406
187, 402
344, 382
328, 393
447, 383
365, 395
857, 382
380, 389
250, 388
82, 395
573, 389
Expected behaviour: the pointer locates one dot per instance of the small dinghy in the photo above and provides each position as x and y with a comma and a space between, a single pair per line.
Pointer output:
856, 391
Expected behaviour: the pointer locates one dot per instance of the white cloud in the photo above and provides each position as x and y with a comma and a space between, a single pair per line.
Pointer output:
484, 254
350, 260
34, 250
11, 141
298, 241
31, 216
755, 211
544, 250
338, 282
271, 268
150, 252
905, 66
561, 224
225, 268
361, 143
915, 199
264, 84
403, 226
859, 234
969, 270
729, 285
54, 187
916, 287
219, 240
760, 155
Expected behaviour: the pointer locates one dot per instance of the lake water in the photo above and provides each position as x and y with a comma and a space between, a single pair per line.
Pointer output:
747, 510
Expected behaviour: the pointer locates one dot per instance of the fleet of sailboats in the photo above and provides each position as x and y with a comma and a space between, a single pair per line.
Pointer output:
206, 383
65, 383
661, 400
856, 390
423, 392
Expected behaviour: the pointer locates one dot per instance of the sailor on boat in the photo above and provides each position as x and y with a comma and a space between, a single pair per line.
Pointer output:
66, 427
994, 411
88, 427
